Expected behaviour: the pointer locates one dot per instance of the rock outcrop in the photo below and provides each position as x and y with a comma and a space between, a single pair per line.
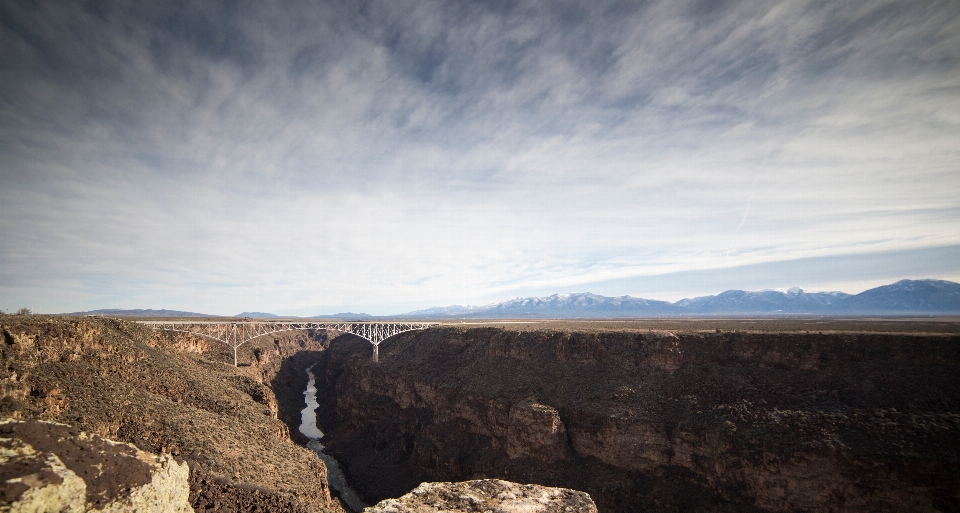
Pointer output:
47, 466
535, 430
647, 421
487, 496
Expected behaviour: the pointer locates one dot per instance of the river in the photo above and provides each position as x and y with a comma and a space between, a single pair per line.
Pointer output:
308, 426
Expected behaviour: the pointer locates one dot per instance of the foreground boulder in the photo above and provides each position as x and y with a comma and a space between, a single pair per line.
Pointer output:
46, 466
487, 496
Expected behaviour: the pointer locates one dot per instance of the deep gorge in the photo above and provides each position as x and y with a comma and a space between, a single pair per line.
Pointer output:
663, 420
656, 420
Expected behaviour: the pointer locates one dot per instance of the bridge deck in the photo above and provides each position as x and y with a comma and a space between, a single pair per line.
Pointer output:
237, 333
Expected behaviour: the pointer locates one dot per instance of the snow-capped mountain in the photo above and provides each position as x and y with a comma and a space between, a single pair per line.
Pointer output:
903, 297
794, 300
580, 305
907, 296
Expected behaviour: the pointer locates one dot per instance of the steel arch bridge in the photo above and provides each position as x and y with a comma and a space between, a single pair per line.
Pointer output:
238, 333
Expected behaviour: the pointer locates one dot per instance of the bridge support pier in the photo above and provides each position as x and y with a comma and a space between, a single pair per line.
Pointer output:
376, 353
235, 345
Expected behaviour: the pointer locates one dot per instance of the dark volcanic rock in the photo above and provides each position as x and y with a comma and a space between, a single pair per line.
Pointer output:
46, 466
217, 493
699, 421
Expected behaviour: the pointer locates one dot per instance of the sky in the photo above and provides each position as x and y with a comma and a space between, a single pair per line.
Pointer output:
302, 158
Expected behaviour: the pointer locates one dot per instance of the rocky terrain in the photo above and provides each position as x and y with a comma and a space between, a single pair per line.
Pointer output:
487, 495
47, 466
175, 396
659, 416
157, 422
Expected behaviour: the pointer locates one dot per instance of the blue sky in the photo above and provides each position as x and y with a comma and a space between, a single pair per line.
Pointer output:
314, 157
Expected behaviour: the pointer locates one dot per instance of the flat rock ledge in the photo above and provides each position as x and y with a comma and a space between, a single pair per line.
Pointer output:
487, 496
45, 466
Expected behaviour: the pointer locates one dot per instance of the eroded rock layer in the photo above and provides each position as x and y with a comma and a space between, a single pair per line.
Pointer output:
657, 420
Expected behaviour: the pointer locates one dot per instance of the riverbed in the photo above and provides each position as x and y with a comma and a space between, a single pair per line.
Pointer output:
308, 426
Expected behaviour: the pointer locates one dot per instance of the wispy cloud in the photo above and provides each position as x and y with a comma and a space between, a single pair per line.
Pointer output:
302, 157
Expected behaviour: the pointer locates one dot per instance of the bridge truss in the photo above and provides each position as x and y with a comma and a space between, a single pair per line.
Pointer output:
238, 333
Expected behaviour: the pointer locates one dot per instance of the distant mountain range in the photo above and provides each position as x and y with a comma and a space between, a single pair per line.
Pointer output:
342, 315
905, 297
257, 315
116, 312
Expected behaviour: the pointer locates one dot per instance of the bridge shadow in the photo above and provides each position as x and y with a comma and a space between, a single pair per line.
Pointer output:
291, 359
288, 386
375, 466
285, 361
290, 380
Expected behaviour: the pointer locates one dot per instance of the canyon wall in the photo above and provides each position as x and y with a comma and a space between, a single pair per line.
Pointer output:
175, 395
701, 421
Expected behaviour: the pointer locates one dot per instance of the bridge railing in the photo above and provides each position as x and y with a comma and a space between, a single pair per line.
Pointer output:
237, 333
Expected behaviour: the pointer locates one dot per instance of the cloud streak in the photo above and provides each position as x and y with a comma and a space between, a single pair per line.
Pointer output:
301, 157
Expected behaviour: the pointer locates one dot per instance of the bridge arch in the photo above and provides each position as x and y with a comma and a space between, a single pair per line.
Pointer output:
237, 333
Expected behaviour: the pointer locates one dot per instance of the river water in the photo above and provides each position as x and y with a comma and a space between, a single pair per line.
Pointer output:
308, 426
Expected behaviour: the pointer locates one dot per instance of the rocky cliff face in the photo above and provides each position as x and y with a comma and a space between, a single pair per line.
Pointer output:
51, 467
175, 395
656, 420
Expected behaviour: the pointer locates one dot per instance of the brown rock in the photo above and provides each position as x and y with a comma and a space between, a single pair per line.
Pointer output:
535, 430
487, 496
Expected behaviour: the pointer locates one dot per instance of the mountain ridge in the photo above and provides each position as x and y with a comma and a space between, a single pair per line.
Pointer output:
928, 296
904, 297
139, 312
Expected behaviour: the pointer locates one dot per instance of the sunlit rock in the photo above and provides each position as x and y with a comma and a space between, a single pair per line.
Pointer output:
487, 496
46, 466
